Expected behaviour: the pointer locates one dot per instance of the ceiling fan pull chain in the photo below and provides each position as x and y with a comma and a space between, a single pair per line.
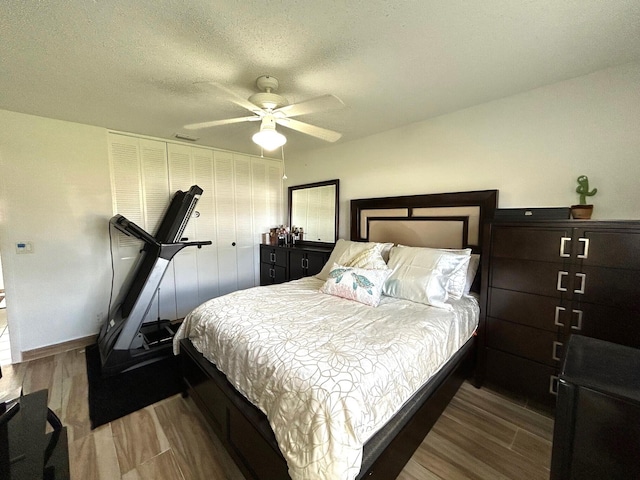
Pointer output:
284, 170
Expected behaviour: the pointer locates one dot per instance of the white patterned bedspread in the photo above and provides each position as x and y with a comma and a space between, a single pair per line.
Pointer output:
328, 372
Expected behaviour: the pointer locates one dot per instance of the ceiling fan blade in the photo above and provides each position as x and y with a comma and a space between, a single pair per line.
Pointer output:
237, 99
318, 132
313, 105
215, 123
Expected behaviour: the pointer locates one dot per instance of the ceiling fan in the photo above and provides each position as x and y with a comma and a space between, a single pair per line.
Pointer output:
271, 109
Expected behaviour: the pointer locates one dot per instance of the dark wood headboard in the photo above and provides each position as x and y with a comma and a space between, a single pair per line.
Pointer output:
441, 220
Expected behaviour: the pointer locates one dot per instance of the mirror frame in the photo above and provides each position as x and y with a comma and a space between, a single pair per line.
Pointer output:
336, 183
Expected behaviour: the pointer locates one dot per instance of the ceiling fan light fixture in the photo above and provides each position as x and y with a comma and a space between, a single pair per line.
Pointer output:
268, 138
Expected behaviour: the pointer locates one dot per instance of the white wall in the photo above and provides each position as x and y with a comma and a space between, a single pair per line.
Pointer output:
55, 194
530, 146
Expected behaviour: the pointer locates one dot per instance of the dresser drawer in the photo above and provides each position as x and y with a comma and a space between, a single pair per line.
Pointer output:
531, 343
304, 263
270, 274
547, 313
611, 249
277, 256
540, 278
611, 286
540, 244
534, 380
616, 325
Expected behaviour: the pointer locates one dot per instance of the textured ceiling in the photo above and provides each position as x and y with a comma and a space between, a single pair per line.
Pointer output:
142, 66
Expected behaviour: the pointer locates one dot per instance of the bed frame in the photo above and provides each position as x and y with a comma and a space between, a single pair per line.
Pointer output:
451, 220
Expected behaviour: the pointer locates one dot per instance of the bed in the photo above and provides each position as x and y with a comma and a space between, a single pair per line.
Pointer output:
350, 389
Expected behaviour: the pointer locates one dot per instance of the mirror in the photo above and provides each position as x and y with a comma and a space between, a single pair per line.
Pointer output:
314, 208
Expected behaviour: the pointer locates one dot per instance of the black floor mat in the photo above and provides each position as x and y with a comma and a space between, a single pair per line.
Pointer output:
119, 395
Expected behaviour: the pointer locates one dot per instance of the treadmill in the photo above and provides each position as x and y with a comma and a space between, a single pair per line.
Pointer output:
124, 341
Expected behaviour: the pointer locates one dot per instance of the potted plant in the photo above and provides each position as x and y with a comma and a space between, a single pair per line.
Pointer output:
582, 210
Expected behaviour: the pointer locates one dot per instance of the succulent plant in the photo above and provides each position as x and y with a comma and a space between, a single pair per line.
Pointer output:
583, 189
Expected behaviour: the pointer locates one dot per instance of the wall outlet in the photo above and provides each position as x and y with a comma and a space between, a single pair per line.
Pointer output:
99, 317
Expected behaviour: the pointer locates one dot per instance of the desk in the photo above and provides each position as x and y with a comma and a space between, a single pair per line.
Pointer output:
27, 452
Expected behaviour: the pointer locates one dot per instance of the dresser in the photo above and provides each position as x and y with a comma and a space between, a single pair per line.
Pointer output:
545, 281
283, 263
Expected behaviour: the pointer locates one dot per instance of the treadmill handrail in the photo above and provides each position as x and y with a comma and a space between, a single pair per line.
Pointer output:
131, 229
197, 244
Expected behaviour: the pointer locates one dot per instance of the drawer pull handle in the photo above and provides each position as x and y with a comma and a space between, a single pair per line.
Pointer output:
272, 257
578, 325
583, 281
272, 273
554, 353
563, 241
305, 263
559, 286
585, 252
557, 316
553, 384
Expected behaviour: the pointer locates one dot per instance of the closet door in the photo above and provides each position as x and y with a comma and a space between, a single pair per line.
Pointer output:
266, 176
195, 269
205, 224
140, 192
242, 198
156, 195
225, 222
246, 242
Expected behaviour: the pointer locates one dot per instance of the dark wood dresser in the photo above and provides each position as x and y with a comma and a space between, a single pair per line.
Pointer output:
547, 280
283, 263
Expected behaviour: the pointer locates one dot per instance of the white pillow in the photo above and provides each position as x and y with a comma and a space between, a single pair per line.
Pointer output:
423, 275
456, 283
359, 284
474, 262
458, 277
346, 250
370, 258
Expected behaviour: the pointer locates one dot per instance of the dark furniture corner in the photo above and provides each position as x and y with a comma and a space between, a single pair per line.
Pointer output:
597, 428
546, 281
27, 451
280, 264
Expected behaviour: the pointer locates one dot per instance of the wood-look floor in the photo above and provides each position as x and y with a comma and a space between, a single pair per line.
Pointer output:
481, 434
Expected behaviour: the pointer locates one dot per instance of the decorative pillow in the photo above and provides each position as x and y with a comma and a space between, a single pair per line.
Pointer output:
359, 284
346, 250
370, 258
423, 275
457, 277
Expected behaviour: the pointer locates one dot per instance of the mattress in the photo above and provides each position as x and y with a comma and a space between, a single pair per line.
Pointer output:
327, 372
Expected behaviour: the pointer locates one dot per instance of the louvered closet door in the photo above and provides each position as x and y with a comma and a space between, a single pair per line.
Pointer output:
140, 192
245, 239
225, 222
126, 187
156, 195
205, 224
185, 263
266, 176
